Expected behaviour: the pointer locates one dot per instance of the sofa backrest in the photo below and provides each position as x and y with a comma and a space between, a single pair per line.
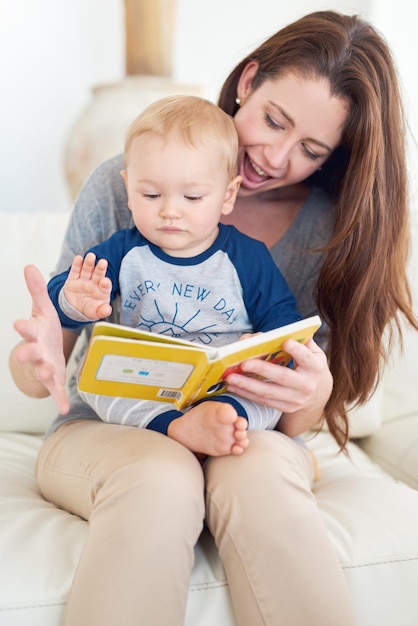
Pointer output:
401, 376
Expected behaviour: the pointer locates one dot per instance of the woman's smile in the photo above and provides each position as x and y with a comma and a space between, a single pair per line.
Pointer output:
253, 176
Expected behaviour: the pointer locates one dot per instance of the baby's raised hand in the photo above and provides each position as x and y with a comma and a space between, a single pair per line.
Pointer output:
87, 287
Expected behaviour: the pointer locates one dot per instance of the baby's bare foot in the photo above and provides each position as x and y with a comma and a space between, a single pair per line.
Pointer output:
211, 428
241, 436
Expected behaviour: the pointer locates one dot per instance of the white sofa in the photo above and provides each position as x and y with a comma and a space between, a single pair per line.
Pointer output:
371, 513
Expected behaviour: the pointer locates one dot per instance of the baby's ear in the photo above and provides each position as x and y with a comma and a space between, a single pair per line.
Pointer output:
124, 175
231, 195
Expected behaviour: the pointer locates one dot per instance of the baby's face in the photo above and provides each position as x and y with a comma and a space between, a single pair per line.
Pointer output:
177, 193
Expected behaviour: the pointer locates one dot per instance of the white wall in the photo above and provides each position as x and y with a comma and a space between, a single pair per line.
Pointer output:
53, 52
400, 29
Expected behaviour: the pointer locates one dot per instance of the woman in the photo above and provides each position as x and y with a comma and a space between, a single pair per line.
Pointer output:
322, 161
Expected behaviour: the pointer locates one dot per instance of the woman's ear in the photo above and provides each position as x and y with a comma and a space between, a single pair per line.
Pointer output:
245, 82
231, 195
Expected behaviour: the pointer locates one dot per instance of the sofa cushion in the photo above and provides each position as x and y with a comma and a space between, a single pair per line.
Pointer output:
41, 545
377, 545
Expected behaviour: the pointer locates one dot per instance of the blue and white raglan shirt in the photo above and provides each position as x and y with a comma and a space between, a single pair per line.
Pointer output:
213, 298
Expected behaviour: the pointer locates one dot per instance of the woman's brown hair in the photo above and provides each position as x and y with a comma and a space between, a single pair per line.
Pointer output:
363, 288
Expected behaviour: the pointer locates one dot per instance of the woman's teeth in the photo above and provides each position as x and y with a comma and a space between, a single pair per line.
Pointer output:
258, 170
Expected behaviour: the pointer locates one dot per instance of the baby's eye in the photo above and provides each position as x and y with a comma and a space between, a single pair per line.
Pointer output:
193, 198
151, 196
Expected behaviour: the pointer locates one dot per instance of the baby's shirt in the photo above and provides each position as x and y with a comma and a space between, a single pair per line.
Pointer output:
232, 288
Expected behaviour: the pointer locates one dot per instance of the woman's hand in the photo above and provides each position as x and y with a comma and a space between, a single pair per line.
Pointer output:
300, 393
37, 364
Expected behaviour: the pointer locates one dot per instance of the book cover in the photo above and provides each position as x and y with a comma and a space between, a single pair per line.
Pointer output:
123, 361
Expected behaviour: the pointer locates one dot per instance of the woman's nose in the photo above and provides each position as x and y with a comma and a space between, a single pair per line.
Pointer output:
278, 155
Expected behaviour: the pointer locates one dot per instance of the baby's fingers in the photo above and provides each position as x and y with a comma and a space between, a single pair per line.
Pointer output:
75, 269
88, 266
99, 272
93, 271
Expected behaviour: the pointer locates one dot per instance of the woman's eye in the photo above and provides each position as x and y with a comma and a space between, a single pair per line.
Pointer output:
310, 154
278, 126
273, 124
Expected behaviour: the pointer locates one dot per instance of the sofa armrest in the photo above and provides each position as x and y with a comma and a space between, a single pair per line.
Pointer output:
395, 448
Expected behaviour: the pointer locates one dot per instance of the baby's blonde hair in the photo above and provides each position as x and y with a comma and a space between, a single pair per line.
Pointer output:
194, 120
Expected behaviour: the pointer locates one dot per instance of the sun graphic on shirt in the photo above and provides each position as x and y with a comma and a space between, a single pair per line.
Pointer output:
175, 327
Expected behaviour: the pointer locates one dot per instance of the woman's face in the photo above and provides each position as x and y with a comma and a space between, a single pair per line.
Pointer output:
287, 128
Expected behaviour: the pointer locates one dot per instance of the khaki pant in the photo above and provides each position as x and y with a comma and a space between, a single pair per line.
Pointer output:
144, 497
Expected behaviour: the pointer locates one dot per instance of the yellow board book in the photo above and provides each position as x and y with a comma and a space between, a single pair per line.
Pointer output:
123, 361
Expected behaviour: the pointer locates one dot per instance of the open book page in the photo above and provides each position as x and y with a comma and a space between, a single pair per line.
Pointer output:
122, 361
